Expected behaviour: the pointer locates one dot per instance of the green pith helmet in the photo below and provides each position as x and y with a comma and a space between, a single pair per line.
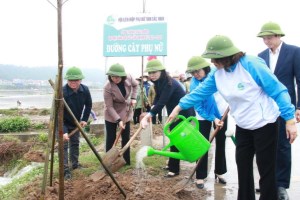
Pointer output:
195, 63
116, 70
74, 73
154, 65
270, 28
220, 46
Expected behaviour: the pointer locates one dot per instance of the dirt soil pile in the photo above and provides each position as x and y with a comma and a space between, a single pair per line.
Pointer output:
137, 183
9, 150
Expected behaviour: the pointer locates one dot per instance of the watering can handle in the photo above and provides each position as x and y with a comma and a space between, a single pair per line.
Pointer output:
192, 118
166, 128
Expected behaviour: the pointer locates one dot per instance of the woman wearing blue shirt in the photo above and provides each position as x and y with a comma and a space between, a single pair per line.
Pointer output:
256, 99
206, 112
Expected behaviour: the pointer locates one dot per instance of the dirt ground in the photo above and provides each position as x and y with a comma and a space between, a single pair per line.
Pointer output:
136, 183
143, 184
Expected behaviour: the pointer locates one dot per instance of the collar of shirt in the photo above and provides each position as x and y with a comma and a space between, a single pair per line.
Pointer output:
70, 91
274, 57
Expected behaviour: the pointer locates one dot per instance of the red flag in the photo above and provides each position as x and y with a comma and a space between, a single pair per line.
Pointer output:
151, 58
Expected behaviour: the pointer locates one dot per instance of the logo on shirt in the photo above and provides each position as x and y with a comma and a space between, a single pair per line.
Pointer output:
240, 86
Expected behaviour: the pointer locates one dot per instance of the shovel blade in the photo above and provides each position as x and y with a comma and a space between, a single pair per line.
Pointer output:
99, 175
113, 160
110, 156
117, 164
180, 185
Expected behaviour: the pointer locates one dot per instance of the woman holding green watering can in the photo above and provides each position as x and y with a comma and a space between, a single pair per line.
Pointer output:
206, 112
256, 99
168, 93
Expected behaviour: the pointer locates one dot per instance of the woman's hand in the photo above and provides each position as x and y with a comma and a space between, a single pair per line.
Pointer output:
174, 113
297, 114
145, 121
291, 130
121, 125
218, 123
133, 102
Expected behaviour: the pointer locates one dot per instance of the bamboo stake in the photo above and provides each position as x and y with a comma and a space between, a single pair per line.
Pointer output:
50, 138
53, 134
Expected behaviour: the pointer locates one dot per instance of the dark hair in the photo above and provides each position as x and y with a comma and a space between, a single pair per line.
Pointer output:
165, 76
229, 60
206, 70
123, 78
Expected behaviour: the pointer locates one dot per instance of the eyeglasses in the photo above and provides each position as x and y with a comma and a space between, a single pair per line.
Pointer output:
195, 71
152, 72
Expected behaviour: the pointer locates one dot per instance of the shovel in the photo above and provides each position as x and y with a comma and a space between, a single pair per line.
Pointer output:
181, 185
113, 159
121, 130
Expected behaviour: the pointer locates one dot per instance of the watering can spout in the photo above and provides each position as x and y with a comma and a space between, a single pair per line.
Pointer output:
176, 155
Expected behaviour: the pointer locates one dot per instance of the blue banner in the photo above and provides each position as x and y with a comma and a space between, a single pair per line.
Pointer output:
142, 35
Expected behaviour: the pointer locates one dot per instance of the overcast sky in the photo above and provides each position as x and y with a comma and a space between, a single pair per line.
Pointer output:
28, 35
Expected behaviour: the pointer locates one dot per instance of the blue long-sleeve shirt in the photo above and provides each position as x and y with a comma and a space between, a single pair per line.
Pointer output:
207, 108
254, 94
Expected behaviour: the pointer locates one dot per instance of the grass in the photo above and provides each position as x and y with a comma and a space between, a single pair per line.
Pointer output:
17, 188
12, 190
9, 112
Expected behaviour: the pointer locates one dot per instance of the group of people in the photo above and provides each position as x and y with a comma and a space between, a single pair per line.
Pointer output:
259, 90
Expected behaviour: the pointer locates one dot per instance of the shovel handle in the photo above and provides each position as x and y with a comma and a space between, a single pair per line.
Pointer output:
210, 140
118, 137
121, 131
213, 135
122, 151
73, 132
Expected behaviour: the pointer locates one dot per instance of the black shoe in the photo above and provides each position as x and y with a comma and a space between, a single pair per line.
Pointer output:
282, 194
257, 190
199, 183
220, 179
67, 174
171, 174
78, 166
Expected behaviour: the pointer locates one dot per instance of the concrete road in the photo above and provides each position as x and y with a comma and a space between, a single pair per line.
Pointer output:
229, 191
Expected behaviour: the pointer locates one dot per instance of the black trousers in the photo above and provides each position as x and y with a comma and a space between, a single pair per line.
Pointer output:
220, 155
136, 115
284, 157
111, 129
159, 115
204, 128
173, 163
261, 142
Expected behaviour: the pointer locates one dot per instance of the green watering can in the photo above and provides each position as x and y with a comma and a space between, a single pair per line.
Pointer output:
186, 138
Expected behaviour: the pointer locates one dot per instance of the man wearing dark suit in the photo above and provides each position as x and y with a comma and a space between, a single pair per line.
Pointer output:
284, 61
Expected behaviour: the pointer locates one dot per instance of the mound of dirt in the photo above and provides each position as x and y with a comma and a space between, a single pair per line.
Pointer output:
9, 150
136, 184
34, 156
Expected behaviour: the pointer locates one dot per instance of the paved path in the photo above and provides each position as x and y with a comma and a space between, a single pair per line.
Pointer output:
229, 191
